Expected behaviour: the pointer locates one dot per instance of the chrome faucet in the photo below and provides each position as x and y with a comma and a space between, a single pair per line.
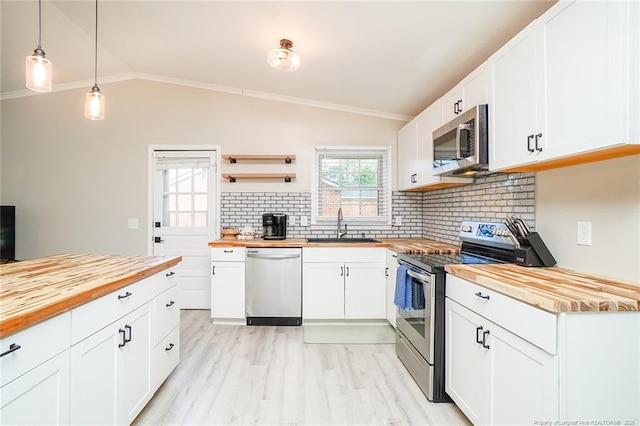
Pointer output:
339, 233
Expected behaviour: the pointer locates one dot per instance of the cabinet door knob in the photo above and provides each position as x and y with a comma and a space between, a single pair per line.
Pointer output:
478, 330
484, 339
482, 296
538, 148
127, 294
529, 138
12, 348
124, 338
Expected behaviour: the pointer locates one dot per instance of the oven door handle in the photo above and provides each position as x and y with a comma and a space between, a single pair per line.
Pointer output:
420, 277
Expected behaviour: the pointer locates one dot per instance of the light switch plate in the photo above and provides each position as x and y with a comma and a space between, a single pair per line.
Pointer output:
133, 224
398, 220
303, 221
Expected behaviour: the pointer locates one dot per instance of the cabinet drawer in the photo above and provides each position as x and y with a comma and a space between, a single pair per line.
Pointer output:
38, 343
529, 323
167, 313
166, 279
93, 316
227, 254
165, 357
344, 255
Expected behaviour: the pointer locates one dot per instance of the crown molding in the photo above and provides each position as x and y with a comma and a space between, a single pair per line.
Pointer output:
215, 88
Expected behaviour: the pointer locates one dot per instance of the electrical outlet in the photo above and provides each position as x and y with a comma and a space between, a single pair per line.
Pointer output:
398, 220
584, 233
292, 220
303, 221
132, 224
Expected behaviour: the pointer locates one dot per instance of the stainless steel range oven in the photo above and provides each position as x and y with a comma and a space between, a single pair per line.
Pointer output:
420, 325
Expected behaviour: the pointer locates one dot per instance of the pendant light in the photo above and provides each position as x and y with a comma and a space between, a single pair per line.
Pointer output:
38, 68
284, 59
94, 103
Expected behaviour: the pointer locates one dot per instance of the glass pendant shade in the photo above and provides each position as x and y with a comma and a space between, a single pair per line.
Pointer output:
284, 59
39, 72
94, 104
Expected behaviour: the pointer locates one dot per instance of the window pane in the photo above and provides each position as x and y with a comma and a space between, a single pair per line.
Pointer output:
184, 180
200, 219
184, 219
184, 202
200, 202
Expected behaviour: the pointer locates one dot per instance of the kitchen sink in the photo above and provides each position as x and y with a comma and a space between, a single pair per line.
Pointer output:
342, 240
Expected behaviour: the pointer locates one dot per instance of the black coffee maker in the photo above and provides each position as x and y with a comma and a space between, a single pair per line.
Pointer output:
274, 226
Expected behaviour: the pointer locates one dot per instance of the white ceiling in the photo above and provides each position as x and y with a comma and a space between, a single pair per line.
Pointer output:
386, 56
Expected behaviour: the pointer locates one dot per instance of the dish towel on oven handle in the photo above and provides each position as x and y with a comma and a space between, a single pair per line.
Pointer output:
403, 295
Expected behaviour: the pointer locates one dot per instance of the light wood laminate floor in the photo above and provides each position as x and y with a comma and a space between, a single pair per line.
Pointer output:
267, 375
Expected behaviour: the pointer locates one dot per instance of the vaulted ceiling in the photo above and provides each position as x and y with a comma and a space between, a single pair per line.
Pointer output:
392, 57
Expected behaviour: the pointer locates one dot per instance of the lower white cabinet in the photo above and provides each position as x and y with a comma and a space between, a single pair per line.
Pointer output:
508, 362
41, 396
390, 272
494, 376
228, 283
111, 371
344, 283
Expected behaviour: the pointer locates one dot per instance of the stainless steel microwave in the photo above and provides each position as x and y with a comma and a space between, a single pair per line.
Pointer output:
461, 147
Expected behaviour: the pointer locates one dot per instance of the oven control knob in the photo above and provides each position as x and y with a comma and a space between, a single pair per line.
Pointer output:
466, 228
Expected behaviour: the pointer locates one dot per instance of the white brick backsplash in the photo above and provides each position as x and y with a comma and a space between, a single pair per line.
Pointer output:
436, 215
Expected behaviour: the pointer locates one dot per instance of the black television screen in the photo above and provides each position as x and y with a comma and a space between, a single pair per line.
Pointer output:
8, 232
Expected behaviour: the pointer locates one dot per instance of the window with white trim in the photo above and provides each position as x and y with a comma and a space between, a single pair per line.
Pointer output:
355, 179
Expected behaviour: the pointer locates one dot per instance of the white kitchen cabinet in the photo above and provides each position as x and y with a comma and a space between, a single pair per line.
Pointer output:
494, 376
508, 362
343, 283
166, 350
40, 396
111, 371
390, 272
471, 91
415, 154
227, 283
563, 91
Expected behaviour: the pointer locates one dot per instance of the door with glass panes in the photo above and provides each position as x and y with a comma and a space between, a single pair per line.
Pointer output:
185, 215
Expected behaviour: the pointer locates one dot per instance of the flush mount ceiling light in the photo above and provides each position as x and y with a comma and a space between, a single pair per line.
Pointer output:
94, 103
38, 67
284, 59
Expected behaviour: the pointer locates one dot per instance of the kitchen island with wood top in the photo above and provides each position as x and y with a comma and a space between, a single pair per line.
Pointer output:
86, 338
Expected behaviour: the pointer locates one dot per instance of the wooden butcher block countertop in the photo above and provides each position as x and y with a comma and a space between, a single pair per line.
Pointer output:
553, 289
399, 245
34, 290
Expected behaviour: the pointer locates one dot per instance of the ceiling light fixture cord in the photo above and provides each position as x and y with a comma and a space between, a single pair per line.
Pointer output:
95, 62
39, 25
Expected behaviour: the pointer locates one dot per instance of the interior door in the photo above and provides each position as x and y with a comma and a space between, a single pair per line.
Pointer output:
185, 217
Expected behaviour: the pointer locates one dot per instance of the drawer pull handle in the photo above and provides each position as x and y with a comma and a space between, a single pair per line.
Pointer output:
484, 339
482, 296
386, 271
127, 294
170, 304
128, 327
12, 348
124, 338
168, 348
227, 251
170, 274
478, 330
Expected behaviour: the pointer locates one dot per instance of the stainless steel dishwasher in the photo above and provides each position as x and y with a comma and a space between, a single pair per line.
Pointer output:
273, 284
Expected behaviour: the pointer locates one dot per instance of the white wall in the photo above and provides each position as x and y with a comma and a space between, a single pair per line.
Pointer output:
75, 182
607, 194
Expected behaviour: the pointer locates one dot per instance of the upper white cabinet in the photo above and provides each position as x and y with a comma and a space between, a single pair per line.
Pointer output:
471, 91
564, 91
415, 154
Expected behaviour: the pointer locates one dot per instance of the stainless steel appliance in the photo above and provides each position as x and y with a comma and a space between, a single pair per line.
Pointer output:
420, 329
274, 226
461, 147
273, 286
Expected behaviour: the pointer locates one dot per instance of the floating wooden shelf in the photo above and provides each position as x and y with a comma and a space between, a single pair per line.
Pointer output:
234, 158
234, 176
